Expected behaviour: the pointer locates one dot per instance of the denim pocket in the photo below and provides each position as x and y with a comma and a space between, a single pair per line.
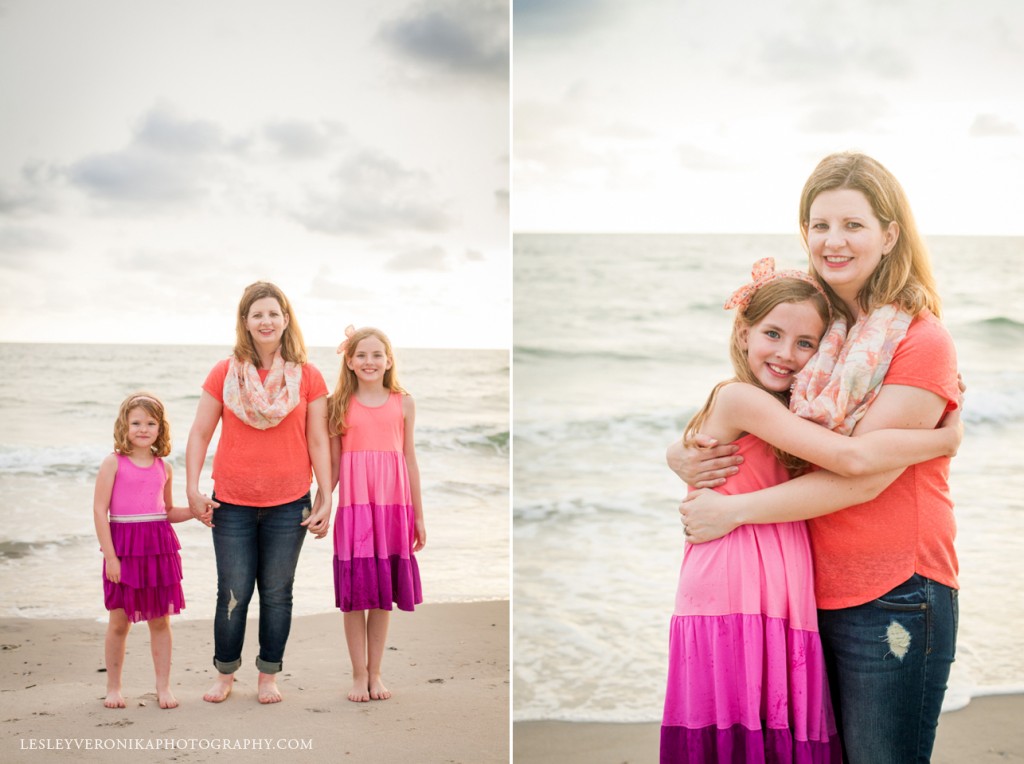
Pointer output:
910, 596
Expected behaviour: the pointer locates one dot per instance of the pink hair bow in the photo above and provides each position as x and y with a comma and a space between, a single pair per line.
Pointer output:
763, 273
349, 331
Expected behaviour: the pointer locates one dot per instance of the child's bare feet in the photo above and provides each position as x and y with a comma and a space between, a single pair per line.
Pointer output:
166, 698
221, 689
268, 692
114, 699
360, 692
377, 689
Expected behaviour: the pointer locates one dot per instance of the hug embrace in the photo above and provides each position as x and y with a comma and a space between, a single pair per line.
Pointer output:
816, 611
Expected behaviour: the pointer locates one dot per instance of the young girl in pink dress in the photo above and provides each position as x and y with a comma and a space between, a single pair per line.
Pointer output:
132, 509
379, 525
746, 679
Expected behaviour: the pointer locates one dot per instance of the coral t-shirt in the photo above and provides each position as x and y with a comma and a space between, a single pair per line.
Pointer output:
263, 468
864, 551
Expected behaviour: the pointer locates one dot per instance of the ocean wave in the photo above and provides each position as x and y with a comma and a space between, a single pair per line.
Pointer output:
50, 460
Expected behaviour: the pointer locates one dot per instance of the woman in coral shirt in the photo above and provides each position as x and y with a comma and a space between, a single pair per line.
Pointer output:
271, 404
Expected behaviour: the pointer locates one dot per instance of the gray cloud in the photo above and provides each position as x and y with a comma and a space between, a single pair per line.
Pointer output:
989, 125
429, 259
20, 240
161, 130
295, 139
559, 18
459, 37
166, 161
374, 193
134, 175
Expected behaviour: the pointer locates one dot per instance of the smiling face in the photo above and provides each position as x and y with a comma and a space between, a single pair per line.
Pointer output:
781, 343
369, 361
847, 241
266, 322
143, 428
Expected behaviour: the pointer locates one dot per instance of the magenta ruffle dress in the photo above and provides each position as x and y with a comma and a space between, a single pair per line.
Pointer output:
374, 529
145, 544
746, 676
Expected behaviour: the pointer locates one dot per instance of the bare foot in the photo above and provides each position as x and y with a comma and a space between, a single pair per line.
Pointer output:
114, 699
166, 698
377, 689
268, 692
360, 692
221, 689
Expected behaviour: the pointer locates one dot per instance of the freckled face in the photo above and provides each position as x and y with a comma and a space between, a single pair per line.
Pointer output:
847, 241
781, 343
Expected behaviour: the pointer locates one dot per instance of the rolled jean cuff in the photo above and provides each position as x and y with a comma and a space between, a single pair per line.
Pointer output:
229, 667
266, 667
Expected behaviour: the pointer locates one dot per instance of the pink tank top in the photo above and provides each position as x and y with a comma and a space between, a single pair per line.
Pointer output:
138, 492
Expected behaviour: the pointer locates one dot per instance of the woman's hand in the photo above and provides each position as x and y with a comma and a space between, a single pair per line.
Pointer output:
113, 570
202, 507
319, 520
706, 516
703, 463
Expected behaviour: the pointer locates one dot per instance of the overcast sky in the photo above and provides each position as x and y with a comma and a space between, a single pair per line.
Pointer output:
672, 115
156, 157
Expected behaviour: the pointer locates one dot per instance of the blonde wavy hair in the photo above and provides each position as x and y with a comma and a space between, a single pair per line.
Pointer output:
904, 276
152, 406
781, 290
293, 346
348, 383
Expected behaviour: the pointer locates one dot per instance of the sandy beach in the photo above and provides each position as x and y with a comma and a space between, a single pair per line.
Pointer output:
987, 731
447, 666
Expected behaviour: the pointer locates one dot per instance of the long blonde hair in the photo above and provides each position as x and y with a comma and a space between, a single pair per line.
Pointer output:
293, 346
904, 276
152, 406
762, 302
348, 383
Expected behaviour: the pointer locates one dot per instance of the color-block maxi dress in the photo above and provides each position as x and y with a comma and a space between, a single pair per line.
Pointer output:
746, 677
145, 544
374, 529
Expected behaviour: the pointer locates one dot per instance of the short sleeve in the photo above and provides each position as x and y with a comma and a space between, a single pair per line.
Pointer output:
313, 381
926, 358
214, 383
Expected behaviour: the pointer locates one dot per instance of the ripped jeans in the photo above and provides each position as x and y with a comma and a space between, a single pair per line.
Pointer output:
888, 663
255, 547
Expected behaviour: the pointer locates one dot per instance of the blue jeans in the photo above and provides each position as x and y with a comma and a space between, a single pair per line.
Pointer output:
256, 547
888, 662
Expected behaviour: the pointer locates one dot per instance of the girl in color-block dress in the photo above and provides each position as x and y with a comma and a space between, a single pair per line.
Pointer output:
132, 510
746, 677
379, 524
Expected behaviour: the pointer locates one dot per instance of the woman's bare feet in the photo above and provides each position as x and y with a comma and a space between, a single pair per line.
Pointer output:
268, 692
166, 698
221, 689
377, 689
360, 692
114, 699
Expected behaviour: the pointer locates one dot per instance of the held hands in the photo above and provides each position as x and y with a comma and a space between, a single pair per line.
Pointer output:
319, 521
704, 516
703, 463
202, 507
